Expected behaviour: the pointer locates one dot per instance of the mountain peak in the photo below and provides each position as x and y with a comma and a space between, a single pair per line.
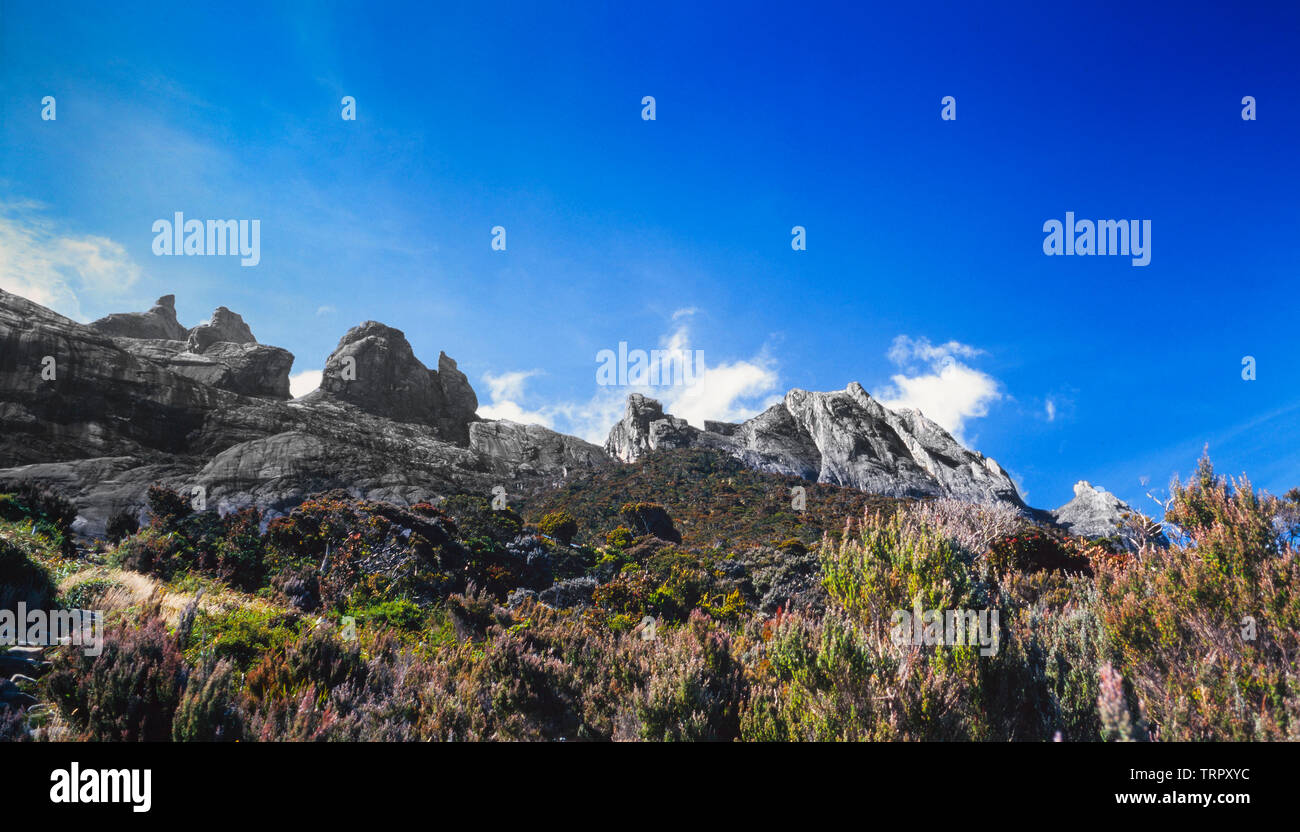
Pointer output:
843, 437
1094, 512
375, 368
223, 327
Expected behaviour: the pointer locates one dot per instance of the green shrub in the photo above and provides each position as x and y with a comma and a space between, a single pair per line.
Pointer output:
694, 687
22, 579
560, 525
401, 614
240, 636
619, 538
650, 518
33, 502
153, 551
167, 507
122, 525
1206, 632
896, 564
86, 594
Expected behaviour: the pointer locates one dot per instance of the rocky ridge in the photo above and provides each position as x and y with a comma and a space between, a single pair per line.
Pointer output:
100, 411
843, 437
124, 409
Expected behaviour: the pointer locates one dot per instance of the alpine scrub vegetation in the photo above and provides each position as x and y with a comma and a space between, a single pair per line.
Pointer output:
1207, 632
349, 619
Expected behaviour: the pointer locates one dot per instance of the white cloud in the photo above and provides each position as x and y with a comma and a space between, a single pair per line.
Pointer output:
300, 384
726, 392
324, 311
1050, 407
505, 390
43, 264
508, 385
729, 392
513, 412
935, 382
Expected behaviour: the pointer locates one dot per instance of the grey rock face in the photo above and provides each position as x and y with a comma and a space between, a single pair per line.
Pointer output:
220, 353
123, 413
843, 437
375, 369
1095, 512
645, 427
158, 323
249, 369
102, 401
224, 327
459, 404
516, 450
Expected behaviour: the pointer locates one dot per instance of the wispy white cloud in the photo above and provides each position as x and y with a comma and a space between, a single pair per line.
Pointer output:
905, 350
48, 265
936, 382
508, 385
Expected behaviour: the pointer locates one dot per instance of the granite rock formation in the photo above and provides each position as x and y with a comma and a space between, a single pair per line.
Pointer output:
158, 323
843, 437
1094, 512
99, 412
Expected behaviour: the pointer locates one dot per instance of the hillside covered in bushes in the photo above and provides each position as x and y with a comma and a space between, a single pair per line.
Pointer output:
681, 598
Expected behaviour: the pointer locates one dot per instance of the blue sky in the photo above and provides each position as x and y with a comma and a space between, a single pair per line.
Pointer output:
678, 230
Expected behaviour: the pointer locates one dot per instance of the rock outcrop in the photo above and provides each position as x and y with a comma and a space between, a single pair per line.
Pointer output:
99, 412
100, 417
645, 427
223, 327
844, 437
459, 404
69, 392
1096, 513
158, 323
220, 352
375, 369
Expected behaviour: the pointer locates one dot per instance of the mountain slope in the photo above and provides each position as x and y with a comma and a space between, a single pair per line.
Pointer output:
714, 499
